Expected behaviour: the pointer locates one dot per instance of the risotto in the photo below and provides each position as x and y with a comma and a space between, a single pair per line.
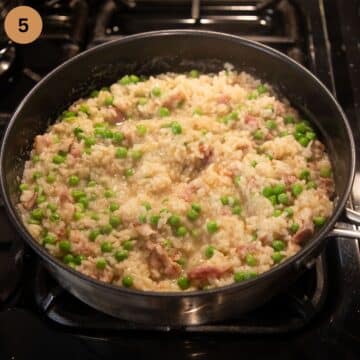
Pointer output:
177, 182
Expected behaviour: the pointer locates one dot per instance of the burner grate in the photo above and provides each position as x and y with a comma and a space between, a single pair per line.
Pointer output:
287, 312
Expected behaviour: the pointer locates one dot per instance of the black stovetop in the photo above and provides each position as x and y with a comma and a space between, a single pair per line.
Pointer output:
317, 317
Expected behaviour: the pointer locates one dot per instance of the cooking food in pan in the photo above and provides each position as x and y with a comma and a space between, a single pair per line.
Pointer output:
177, 182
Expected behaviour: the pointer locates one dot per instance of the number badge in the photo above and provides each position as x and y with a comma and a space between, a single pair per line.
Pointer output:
23, 24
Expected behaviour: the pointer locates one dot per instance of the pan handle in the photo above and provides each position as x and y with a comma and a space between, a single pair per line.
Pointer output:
343, 229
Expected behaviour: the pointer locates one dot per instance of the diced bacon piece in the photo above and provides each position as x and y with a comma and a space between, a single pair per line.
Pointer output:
279, 108
188, 192
328, 185
224, 99
65, 144
303, 234
67, 210
76, 149
317, 149
161, 264
174, 99
63, 193
206, 150
306, 227
117, 116
144, 230
251, 121
42, 142
244, 249
28, 199
289, 179
205, 272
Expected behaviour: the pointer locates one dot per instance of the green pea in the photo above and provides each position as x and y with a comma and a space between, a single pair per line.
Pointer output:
146, 205
77, 215
94, 234
78, 259
198, 111
209, 252
296, 189
192, 215
268, 191
118, 136
196, 207
108, 193
79, 133
77, 194
289, 212
68, 114
167, 243
115, 221
224, 200
240, 276
23, 187
212, 227
277, 212
49, 239
128, 245
176, 128
273, 199
109, 100
278, 245
40, 199
301, 127
304, 175
91, 183
94, 216
325, 172
258, 135
310, 135
141, 130
68, 258
283, 199
278, 189
294, 227
89, 141
142, 101
154, 220
164, 112
54, 217
129, 172
270, 124
94, 94
121, 152
289, 119
298, 136
106, 246
74, 180
52, 207
121, 255
253, 163
156, 92
35, 158
113, 207
304, 141
262, 89
125, 80
85, 109
277, 257
237, 180
251, 260
34, 222
127, 281
36, 175
181, 261
236, 210
106, 229
101, 264
181, 231
319, 221
183, 283
65, 245
142, 219
37, 214
253, 95
311, 185
194, 73
136, 154
174, 220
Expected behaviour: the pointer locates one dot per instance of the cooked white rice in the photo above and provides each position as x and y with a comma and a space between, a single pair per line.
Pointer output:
177, 182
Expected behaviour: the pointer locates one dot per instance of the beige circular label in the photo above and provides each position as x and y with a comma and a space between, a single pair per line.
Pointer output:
23, 24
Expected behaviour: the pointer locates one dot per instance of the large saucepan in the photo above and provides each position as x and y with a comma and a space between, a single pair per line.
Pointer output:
178, 51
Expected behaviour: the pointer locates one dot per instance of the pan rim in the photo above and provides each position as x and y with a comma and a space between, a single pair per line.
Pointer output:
297, 259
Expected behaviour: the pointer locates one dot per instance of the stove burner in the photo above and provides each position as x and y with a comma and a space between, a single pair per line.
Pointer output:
287, 312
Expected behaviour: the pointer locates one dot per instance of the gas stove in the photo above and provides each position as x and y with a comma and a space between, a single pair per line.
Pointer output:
317, 317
